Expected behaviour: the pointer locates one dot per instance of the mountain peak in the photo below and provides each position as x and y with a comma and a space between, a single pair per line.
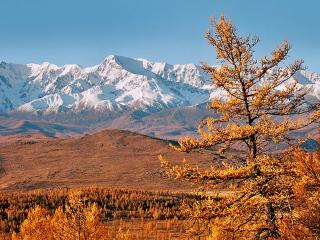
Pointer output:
116, 84
110, 58
114, 58
48, 65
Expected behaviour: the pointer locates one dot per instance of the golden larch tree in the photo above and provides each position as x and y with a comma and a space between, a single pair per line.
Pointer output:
78, 220
307, 191
261, 103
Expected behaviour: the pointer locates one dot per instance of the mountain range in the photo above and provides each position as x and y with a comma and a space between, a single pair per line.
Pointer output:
153, 98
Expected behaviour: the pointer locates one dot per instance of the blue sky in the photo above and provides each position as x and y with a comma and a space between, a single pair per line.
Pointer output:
86, 31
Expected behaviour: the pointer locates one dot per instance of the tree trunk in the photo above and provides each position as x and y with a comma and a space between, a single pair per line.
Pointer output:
274, 231
253, 150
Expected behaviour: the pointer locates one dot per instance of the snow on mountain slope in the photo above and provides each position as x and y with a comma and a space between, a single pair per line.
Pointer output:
314, 78
117, 83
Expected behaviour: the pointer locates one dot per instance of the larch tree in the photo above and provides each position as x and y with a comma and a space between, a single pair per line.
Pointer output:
78, 220
261, 103
307, 191
35, 227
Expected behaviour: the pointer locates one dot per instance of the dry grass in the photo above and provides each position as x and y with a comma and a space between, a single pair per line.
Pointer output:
147, 229
111, 158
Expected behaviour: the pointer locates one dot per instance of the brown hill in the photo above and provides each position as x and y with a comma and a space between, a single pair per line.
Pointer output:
13, 127
165, 124
111, 158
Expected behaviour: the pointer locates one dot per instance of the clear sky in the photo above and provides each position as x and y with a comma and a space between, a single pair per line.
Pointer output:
86, 31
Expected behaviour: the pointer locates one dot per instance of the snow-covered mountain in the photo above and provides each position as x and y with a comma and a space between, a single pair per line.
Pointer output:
118, 83
115, 84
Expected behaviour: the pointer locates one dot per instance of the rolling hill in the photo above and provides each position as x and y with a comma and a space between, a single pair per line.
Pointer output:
110, 158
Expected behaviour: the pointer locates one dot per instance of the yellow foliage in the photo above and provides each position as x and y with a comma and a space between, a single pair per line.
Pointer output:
256, 91
268, 196
36, 226
77, 221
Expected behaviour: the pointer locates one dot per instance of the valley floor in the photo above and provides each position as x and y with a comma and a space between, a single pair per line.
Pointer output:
126, 214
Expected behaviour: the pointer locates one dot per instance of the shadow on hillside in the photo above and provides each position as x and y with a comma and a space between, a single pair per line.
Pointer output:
2, 170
